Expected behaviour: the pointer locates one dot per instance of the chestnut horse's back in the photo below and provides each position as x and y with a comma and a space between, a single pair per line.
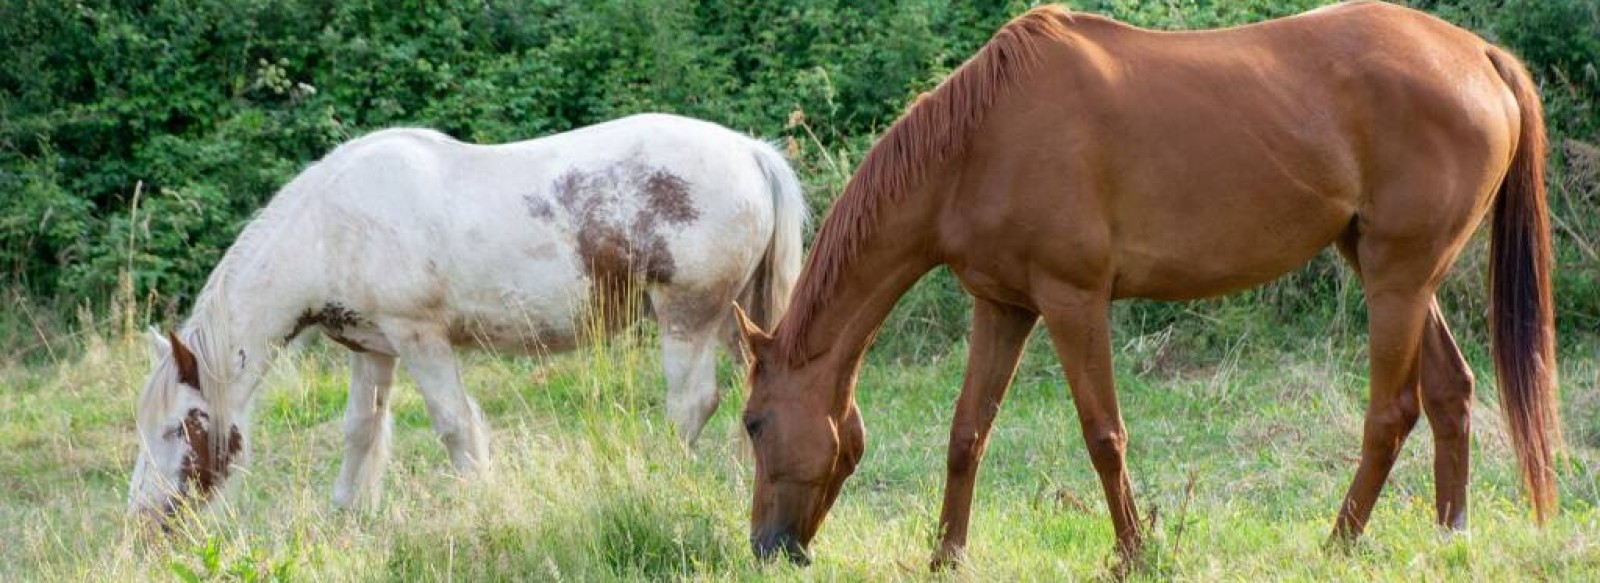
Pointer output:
1288, 130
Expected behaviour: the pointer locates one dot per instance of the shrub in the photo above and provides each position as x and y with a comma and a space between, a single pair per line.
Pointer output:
201, 109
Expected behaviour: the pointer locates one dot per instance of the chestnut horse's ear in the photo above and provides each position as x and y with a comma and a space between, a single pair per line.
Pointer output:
754, 337
188, 368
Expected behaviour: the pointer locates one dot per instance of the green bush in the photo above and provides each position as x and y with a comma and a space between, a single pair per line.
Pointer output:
201, 109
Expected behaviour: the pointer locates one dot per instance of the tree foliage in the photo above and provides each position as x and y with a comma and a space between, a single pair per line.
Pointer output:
139, 136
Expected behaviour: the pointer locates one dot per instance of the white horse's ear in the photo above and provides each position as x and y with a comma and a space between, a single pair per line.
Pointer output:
159, 346
188, 365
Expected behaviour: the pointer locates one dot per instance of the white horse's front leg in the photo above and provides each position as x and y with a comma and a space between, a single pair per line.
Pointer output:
431, 360
367, 426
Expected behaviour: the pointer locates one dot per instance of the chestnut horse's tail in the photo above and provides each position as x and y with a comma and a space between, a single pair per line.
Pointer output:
1521, 308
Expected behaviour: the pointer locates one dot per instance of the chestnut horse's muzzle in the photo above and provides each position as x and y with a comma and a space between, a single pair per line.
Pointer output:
767, 545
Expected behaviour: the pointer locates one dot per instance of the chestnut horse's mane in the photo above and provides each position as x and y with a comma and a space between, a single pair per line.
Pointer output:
934, 130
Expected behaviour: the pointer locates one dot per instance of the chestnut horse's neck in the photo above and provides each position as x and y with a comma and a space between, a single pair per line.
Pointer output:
881, 235
840, 326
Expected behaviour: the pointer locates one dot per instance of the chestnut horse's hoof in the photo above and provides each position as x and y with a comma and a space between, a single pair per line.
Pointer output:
947, 559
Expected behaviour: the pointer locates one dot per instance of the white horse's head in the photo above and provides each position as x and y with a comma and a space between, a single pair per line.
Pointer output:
184, 456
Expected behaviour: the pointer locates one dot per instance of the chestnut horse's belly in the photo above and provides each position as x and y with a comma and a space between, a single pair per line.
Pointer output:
1220, 249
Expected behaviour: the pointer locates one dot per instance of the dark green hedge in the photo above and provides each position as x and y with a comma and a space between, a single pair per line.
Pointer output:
201, 109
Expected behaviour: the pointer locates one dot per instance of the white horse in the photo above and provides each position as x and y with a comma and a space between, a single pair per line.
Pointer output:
405, 244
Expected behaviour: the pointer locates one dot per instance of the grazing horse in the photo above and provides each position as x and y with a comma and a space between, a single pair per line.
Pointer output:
405, 244
1076, 160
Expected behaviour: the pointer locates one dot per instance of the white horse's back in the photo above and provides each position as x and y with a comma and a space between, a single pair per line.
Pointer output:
510, 245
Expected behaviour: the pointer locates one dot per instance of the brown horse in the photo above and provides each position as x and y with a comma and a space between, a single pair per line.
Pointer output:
1076, 160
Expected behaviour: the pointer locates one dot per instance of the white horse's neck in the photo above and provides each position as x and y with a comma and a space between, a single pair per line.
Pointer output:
243, 313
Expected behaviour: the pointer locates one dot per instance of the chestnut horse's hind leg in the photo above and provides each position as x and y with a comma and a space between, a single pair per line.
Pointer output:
1446, 387
1447, 400
367, 427
1398, 284
999, 333
1080, 325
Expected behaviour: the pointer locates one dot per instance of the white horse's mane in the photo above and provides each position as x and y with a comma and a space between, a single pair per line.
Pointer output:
209, 332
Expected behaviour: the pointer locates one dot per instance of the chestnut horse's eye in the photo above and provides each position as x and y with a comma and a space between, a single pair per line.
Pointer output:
753, 426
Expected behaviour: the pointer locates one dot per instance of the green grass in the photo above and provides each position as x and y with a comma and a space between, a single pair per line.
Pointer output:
590, 484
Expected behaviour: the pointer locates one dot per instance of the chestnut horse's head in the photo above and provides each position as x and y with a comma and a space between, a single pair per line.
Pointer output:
184, 452
807, 437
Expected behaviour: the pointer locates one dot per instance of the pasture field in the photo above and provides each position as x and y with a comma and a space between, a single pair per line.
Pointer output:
1240, 452
136, 139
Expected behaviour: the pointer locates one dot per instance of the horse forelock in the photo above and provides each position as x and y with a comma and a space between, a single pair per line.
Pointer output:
211, 451
208, 459
933, 130
217, 359
159, 396
213, 383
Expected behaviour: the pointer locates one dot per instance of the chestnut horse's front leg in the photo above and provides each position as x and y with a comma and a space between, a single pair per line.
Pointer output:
1080, 325
999, 332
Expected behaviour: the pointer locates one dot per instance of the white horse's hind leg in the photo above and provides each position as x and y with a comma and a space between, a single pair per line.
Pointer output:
367, 426
691, 365
431, 360
689, 336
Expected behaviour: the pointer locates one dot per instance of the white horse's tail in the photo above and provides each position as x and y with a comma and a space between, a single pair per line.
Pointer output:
766, 297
